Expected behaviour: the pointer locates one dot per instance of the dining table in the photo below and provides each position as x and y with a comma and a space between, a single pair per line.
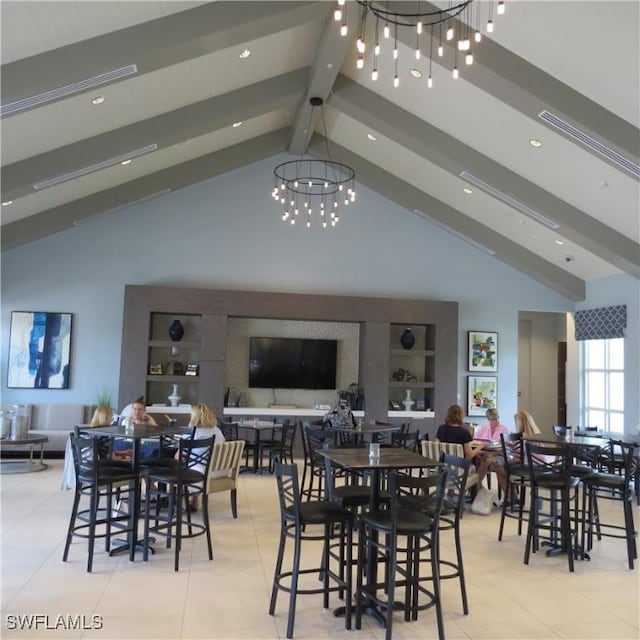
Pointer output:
136, 433
359, 461
370, 432
258, 427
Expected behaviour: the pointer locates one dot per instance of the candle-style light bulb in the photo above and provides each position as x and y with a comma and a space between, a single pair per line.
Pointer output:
386, 32
490, 26
343, 30
429, 82
337, 15
501, 7
440, 51
450, 33
477, 36
469, 58
396, 81
455, 73
360, 63
374, 75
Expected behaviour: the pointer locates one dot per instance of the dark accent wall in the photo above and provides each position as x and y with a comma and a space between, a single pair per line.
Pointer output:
375, 316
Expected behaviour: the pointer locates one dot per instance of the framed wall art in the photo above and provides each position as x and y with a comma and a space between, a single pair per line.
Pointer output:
483, 351
482, 394
39, 350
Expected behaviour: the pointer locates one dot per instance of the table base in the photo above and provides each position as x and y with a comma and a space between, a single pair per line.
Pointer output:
21, 466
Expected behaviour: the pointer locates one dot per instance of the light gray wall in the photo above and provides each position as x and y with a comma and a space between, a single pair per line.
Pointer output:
226, 233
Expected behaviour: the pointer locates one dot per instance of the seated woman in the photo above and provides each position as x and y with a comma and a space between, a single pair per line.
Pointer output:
525, 425
489, 432
206, 424
453, 430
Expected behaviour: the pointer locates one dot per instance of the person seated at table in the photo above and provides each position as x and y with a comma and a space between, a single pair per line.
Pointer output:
102, 417
206, 424
135, 414
453, 430
526, 425
489, 432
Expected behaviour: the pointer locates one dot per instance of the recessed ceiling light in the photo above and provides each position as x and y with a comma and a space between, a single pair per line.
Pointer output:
6, 203
237, 124
98, 100
416, 73
536, 144
126, 162
245, 54
467, 190
559, 242
371, 137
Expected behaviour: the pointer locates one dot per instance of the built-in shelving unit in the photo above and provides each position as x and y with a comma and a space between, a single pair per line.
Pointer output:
413, 367
206, 314
172, 358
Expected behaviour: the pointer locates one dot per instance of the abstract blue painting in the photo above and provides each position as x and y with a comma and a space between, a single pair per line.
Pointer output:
39, 350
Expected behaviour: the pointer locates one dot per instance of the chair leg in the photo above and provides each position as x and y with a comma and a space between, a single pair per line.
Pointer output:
234, 503
205, 521
294, 585
72, 523
463, 586
93, 514
533, 518
276, 573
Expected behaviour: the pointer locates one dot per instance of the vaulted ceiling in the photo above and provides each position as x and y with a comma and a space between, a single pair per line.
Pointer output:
174, 83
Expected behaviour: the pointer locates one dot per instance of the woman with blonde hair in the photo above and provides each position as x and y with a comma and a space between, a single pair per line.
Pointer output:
525, 424
102, 417
206, 424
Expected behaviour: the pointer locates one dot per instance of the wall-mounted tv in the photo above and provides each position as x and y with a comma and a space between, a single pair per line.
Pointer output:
292, 363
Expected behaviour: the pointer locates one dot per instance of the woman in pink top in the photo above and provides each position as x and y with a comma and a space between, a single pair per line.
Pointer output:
489, 432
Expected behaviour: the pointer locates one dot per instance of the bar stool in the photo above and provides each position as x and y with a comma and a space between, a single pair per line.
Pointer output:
551, 480
295, 516
611, 486
379, 534
177, 484
518, 476
97, 479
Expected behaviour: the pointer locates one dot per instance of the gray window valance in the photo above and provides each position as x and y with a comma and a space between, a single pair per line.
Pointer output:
604, 323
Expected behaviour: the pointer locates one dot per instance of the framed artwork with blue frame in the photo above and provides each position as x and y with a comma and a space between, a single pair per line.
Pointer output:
39, 350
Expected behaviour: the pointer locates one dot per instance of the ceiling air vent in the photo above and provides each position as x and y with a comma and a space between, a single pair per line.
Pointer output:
62, 92
455, 232
77, 173
590, 143
507, 199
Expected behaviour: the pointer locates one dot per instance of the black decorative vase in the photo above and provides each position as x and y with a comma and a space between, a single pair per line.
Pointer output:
176, 331
407, 339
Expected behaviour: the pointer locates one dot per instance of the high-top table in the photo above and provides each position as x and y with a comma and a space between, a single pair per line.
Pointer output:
258, 427
136, 433
391, 458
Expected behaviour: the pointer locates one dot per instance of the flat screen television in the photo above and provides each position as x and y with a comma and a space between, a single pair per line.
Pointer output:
292, 363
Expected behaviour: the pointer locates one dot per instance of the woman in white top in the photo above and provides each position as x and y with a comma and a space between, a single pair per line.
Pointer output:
206, 424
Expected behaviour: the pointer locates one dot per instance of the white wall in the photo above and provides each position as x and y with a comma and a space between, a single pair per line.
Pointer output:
226, 233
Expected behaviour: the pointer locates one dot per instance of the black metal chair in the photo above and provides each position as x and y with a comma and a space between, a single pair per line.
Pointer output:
99, 479
379, 535
551, 482
297, 517
280, 446
518, 477
178, 484
615, 486
316, 439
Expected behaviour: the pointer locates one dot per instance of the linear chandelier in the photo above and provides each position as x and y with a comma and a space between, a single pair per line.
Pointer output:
431, 29
305, 188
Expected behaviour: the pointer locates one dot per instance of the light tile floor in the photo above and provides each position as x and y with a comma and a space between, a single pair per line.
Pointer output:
228, 598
